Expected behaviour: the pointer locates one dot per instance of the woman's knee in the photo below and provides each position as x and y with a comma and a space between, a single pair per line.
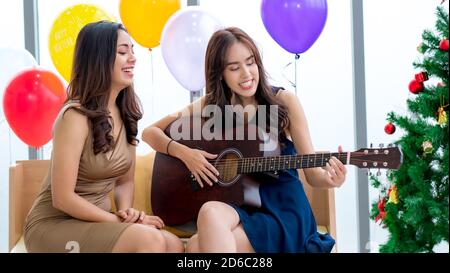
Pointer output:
140, 238
210, 212
214, 212
153, 240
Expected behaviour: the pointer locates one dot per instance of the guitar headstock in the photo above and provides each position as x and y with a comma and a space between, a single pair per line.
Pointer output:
377, 158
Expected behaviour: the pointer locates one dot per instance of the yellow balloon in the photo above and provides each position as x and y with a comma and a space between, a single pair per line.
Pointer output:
64, 32
145, 19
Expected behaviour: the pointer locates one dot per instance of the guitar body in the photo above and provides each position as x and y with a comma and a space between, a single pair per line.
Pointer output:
177, 197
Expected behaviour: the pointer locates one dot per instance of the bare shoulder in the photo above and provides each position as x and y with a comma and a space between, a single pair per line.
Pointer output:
287, 97
72, 122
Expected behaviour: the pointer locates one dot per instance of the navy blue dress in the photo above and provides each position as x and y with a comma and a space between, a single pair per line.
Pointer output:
285, 221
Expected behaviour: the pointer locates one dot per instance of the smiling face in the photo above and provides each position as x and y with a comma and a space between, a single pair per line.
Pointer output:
124, 64
241, 71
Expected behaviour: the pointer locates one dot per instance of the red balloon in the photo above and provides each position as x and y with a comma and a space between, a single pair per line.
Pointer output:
31, 102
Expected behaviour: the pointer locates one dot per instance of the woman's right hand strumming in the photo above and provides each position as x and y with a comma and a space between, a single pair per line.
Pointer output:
197, 163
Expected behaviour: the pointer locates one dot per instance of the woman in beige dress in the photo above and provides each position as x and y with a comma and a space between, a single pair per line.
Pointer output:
94, 140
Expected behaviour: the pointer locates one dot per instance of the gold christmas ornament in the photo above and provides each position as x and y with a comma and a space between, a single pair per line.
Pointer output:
393, 195
442, 115
427, 147
419, 48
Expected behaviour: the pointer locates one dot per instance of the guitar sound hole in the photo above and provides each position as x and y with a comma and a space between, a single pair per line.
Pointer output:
227, 165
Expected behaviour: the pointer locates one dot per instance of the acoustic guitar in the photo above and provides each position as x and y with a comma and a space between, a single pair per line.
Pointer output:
176, 196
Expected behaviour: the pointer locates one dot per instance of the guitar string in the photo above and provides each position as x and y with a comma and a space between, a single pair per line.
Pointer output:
228, 169
253, 160
228, 166
353, 154
276, 157
241, 162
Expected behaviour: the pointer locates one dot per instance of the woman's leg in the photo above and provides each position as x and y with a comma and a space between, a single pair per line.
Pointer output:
173, 243
219, 230
243, 244
192, 245
140, 238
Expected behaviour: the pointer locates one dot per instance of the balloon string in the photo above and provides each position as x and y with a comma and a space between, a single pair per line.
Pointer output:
286, 78
293, 83
297, 56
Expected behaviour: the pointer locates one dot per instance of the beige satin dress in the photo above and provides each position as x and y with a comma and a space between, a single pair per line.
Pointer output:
48, 229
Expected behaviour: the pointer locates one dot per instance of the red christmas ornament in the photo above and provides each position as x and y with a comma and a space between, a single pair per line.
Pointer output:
381, 212
443, 45
416, 87
389, 128
421, 77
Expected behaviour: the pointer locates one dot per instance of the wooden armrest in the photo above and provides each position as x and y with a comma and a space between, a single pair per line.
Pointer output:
25, 179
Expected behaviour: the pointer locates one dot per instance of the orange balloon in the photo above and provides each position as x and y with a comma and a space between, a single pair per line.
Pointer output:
145, 19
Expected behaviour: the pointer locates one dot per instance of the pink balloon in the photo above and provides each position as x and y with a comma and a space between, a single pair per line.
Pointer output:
31, 102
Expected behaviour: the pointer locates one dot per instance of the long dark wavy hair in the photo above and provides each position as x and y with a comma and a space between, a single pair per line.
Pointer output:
217, 91
93, 65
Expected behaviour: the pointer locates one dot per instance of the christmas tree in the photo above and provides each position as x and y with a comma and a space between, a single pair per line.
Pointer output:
413, 203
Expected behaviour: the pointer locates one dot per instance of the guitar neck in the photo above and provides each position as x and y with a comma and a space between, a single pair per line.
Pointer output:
276, 163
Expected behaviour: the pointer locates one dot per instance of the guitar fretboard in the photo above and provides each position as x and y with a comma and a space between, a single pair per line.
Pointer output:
276, 163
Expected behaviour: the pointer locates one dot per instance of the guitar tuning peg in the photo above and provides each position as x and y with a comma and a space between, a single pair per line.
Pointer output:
378, 172
390, 145
381, 145
371, 145
368, 172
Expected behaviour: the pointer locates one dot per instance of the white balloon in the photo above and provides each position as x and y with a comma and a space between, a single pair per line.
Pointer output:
184, 41
12, 61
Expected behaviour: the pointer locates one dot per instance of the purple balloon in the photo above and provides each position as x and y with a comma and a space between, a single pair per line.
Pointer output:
294, 24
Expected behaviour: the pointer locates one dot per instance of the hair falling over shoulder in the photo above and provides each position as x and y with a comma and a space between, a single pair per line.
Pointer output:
93, 63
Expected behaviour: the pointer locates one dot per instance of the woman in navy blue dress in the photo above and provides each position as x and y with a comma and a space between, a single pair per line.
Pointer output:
284, 222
